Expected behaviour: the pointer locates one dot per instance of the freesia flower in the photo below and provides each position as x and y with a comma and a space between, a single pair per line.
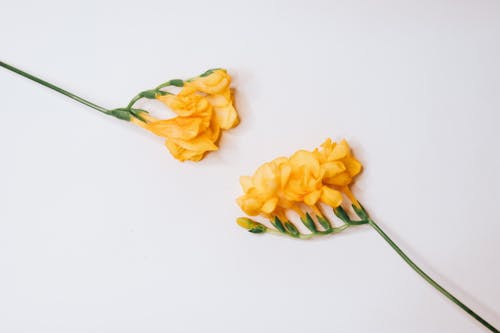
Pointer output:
187, 138
306, 177
211, 82
300, 182
263, 191
204, 107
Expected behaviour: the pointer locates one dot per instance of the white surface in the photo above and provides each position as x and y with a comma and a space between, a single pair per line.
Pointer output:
101, 230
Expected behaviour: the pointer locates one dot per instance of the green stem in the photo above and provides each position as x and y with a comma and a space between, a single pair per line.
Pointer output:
132, 102
56, 88
430, 280
334, 230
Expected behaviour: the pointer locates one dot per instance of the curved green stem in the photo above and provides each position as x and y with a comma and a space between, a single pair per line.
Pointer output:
163, 85
333, 230
429, 279
56, 88
132, 102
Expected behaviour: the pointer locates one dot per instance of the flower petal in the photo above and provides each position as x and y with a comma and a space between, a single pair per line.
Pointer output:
179, 127
331, 197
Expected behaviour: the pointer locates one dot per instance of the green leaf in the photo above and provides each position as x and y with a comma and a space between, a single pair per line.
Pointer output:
309, 223
177, 83
279, 225
292, 229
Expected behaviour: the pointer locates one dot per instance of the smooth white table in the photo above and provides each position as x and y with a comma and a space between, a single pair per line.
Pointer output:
101, 230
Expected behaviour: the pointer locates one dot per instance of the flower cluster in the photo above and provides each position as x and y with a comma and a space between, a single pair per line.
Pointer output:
204, 107
306, 178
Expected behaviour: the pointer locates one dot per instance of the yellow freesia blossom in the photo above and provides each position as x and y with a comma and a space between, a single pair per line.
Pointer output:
224, 110
339, 165
185, 104
204, 107
304, 178
263, 189
214, 83
187, 138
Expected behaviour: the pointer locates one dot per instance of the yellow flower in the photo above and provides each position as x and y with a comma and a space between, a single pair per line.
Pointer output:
194, 149
339, 165
185, 104
226, 114
305, 183
262, 190
189, 102
213, 83
204, 107
305, 178
187, 138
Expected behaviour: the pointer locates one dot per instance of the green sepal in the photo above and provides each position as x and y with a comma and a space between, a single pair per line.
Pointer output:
324, 223
122, 114
251, 225
292, 229
258, 229
176, 83
279, 225
208, 72
361, 212
150, 94
309, 223
138, 114
342, 214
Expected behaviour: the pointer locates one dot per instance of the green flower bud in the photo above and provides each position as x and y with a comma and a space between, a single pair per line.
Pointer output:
150, 94
279, 225
309, 223
342, 214
361, 211
324, 223
208, 72
122, 114
176, 83
251, 225
292, 229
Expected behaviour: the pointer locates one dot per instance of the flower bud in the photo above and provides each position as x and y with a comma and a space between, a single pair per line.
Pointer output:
251, 225
292, 229
342, 214
150, 94
309, 223
122, 114
361, 211
324, 223
176, 83
279, 225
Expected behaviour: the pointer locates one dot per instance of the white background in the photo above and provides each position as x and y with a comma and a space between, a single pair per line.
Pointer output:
101, 230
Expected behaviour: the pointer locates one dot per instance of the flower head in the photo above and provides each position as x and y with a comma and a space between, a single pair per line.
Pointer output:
303, 179
263, 190
204, 107
213, 81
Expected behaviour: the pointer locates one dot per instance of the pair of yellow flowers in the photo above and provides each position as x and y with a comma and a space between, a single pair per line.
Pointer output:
204, 107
